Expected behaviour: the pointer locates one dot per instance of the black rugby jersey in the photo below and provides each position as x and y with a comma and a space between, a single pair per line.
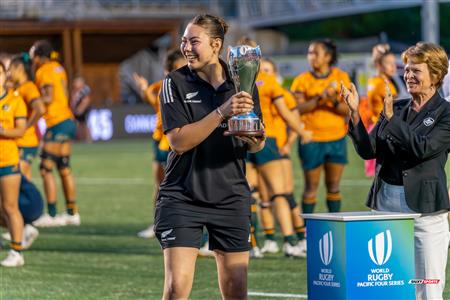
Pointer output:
211, 176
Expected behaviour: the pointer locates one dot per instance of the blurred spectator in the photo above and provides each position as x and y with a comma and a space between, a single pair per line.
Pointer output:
80, 102
446, 86
384, 63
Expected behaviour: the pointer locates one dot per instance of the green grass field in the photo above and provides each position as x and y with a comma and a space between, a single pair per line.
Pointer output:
103, 258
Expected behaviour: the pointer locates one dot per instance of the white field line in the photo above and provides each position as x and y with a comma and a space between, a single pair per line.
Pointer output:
148, 181
277, 295
107, 181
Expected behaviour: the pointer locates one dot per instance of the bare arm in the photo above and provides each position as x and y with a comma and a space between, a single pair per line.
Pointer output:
290, 118
46, 94
146, 93
84, 104
306, 106
287, 147
16, 132
37, 110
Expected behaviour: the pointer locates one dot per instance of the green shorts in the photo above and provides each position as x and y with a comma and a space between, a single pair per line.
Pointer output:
315, 154
9, 170
62, 132
267, 154
160, 155
28, 153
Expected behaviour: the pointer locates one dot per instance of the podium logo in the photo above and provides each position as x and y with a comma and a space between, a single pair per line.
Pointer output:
326, 248
381, 250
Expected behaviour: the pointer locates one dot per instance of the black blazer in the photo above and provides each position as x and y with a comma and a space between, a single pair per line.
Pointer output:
423, 145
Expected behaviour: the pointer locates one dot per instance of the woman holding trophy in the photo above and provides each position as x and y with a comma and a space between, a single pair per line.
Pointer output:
205, 184
268, 160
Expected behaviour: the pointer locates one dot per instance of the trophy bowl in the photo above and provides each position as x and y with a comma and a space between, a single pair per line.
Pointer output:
243, 62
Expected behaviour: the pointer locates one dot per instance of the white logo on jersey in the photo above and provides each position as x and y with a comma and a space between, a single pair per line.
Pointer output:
191, 95
164, 234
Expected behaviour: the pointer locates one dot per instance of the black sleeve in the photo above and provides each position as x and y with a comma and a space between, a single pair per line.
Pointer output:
173, 112
421, 146
256, 104
365, 143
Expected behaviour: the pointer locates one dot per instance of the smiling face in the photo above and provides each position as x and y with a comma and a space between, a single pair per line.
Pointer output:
267, 67
388, 65
15, 73
317, 56
198, 48
417, 78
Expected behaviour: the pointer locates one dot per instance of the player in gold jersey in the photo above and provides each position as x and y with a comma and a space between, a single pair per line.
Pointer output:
51, 79
284, 145
324, 113
13, 115
20, 74
384, 62
268, 161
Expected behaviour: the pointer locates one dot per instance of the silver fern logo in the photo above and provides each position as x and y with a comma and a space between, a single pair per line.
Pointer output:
326, 248
380, 250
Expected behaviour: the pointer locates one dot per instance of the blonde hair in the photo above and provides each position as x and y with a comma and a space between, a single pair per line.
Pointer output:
433, 56
245, 40
379, 52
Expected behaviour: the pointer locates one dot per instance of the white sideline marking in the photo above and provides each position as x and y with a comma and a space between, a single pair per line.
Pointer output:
121, 181
277, 295
105, 181
148, 181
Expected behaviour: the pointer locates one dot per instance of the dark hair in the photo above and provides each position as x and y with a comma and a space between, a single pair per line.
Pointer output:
330, 48
171, 58
43, 48
24, 60
215, 26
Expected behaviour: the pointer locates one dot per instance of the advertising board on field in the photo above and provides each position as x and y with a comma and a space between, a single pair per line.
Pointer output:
361, 255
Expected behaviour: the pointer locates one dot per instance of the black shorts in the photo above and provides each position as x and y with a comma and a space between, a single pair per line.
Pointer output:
184, 228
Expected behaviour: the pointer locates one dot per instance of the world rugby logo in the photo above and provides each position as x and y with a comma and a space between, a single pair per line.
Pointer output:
326, 248
380, 250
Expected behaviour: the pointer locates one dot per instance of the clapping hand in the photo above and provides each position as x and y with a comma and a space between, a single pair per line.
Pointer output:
351, 98
388, 101
329, 94
140, 81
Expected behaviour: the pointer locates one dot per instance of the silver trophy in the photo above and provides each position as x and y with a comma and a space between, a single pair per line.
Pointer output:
243, 62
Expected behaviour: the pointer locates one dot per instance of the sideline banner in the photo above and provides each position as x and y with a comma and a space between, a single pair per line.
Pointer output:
360, 255
117, 122
121, 122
